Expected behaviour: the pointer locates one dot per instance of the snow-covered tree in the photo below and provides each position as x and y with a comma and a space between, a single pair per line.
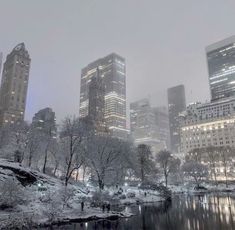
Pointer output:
13, 138
53, 205
47, 141
72, 142
226, 154
66, 195
32, 144
212, 157
195, 170
195, 154
104, 156
145, 162
167, 163
57, 154
11, 193
123, 164
4, 136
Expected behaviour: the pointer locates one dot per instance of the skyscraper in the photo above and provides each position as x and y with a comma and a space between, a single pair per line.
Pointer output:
45, 121
14, 85
96, 107
176, 105
162, 122
148, 125
112, 71
221, 68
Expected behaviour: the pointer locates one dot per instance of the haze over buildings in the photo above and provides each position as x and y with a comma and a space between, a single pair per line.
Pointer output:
149, 125
160, 51
14, 85
162, 121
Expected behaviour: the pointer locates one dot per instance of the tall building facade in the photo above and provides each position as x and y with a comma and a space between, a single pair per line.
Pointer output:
208, 124
176, 105
112, 72
146, 125
45, 121
96, 105
221, 68
14, 85
213, 123
162, 122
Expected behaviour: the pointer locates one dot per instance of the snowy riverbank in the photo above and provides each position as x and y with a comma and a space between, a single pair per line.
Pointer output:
37, 199
209, 188
30, 220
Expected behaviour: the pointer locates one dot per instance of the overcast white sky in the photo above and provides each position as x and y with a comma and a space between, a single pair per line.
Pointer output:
163, 42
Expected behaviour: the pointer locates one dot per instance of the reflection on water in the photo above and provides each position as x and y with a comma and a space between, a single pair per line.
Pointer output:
207, 212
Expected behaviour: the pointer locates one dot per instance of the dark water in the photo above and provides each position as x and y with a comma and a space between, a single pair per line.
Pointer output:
207, 212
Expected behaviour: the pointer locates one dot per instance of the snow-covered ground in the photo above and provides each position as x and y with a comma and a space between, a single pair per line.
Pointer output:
38, 199
133, 195
189, 188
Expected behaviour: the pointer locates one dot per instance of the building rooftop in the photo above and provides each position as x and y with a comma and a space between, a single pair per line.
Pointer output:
220, 44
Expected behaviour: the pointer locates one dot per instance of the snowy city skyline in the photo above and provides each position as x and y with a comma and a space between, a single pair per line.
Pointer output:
117, 115
159, 53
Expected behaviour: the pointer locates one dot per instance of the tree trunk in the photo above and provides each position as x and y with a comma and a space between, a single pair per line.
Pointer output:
68, 174
101, 184
214, 172
66, 180
30, 160
225, 168
142, 172
197, 181
166, 178
226, 178
142, 175
45, 162
83, 176
77, 175
215, 178
55, 169
100, 181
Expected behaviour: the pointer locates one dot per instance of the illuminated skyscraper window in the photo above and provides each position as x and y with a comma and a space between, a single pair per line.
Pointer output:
112, 71
221, 68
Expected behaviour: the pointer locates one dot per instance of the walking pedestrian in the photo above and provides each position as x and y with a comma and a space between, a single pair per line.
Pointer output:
108, 207
82, 206
103, 207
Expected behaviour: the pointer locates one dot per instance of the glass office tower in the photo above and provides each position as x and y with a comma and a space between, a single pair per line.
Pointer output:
176, 105
221, 68
112, 71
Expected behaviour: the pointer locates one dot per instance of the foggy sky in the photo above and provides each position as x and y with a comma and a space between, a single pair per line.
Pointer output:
163, 42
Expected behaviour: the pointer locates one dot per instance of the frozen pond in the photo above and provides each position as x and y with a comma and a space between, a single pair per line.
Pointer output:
209, 212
